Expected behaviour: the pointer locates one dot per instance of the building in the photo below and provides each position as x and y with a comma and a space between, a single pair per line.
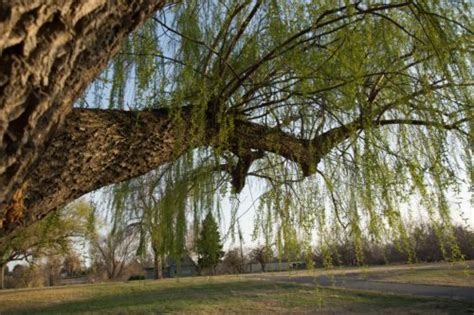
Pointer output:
171, 269
275, 266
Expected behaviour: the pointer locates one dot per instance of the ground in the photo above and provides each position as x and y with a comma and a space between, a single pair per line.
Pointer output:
255, 294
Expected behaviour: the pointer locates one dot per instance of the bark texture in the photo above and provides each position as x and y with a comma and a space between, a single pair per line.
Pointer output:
96, 148
50, 51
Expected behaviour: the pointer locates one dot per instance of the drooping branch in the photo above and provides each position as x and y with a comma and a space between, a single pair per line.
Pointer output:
50, 51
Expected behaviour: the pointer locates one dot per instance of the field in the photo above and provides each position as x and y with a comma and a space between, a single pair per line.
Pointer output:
229, 294
444, 274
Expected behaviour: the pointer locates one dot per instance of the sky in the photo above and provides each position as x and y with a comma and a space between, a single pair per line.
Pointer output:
462, 213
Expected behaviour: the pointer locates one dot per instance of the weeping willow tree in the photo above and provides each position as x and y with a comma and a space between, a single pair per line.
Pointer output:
161, 206
58, 234
342, 111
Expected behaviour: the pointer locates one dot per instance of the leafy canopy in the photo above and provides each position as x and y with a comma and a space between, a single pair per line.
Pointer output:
388, 85
58, 234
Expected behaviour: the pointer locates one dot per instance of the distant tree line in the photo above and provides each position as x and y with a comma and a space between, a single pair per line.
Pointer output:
116, 255
425, 243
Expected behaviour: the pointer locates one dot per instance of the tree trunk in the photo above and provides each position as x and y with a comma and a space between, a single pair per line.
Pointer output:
2, 276
51, 278
111, 270
158, 264
94, 149
50, 52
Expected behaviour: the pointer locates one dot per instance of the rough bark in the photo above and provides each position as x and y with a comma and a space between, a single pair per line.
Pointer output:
50, 51
97, 148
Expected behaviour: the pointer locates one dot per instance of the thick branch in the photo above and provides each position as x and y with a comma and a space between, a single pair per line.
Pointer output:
101, 147
98, 148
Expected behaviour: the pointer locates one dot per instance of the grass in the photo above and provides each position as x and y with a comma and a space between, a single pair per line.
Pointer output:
445, 276
216, 295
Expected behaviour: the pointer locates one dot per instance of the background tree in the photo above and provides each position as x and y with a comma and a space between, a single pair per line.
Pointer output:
56, 235
27, 276
159, 205
52, 269
465, 237
234, 261
72, 265
155, 207
262, 255
114, 251
208, 245
426, 244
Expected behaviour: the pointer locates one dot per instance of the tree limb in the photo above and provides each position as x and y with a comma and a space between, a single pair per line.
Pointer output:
101, 147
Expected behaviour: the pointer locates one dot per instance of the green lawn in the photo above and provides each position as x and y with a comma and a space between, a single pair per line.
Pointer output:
224, 294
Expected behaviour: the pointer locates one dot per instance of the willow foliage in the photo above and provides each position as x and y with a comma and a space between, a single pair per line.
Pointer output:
396, 76
58, 234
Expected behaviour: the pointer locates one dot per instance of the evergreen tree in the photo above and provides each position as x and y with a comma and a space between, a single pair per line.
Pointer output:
209, 247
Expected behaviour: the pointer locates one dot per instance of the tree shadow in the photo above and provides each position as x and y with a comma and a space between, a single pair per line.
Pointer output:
152, 298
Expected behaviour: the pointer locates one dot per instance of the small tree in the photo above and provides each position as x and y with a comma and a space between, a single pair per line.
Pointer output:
261, 255
53, 236
52, 269
27, 276
234, 261
115, 250
208, 245
72, 264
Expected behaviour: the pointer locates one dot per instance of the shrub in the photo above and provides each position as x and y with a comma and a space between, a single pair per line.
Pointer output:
136, 277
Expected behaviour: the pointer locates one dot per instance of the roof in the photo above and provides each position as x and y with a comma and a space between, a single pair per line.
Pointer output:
185, 261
